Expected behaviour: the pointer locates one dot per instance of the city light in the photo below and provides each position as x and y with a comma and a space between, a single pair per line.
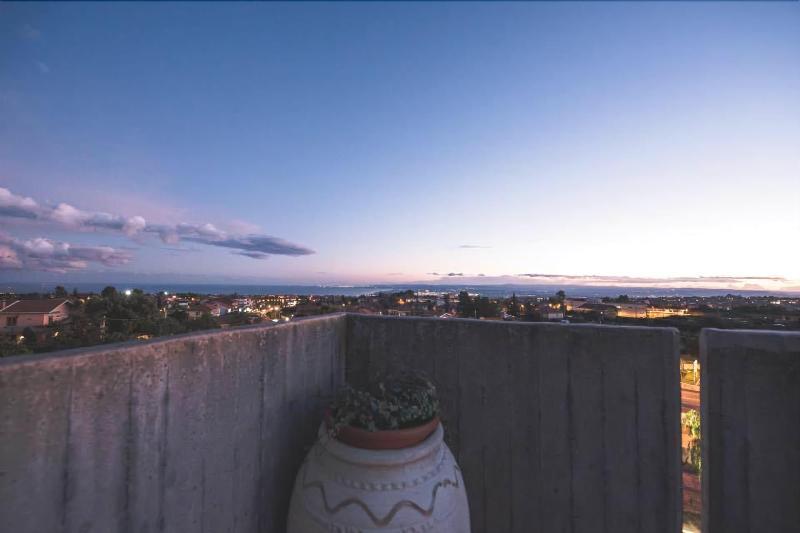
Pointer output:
127, 292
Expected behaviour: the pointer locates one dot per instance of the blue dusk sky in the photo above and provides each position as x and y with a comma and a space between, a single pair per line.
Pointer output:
395, 142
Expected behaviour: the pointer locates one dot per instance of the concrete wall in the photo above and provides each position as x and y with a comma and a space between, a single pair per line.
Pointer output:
750, 402
194, 433
556, 428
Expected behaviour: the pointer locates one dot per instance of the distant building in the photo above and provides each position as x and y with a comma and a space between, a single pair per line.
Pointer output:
546, 312
604, 310
196, 311
218, 307
33, 313
643, 310
241, 304
655, 312
572, 303
631, 310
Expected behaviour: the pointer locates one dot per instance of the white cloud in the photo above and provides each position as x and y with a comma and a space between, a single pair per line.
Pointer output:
9, 258
255, 246
134, 225
12, 205
55, 256
68, 215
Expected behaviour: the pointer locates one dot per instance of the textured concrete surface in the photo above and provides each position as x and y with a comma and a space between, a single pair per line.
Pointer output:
195, 433
556, 427
750, 409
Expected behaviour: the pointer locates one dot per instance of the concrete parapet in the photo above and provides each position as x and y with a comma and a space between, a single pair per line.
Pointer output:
750, 412
200, 432
556, 427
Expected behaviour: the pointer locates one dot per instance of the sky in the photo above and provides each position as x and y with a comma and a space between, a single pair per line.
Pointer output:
613, 143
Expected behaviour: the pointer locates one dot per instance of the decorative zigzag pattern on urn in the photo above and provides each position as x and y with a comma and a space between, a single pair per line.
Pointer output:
426, 512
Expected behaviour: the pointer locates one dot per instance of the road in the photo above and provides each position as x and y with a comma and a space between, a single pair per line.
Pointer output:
690, 399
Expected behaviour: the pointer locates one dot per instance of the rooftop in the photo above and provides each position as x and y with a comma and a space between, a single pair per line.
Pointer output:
555, 427
34, 306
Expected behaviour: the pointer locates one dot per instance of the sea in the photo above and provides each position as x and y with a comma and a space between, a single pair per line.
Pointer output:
495, 291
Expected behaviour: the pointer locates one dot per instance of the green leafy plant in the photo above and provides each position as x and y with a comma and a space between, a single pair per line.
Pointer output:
392, 401
691, 421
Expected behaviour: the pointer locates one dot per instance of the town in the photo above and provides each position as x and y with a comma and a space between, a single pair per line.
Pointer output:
32, 323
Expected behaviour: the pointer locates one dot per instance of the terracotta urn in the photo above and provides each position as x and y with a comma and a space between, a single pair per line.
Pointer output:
397, 487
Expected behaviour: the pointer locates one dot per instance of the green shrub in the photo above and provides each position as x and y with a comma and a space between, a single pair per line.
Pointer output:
392, 401
691, 421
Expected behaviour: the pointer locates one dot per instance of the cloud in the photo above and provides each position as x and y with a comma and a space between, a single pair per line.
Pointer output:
133, 225
473, 246
208, 231
12, 205
254, 255
43, 67
242, 227
68, 215
255, 246
74, 218
651, 280
764, 283
55, 256
9, 257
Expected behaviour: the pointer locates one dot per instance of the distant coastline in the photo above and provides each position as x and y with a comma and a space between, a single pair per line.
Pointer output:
326, 290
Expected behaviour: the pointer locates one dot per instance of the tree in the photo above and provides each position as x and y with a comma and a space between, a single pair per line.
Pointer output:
558, 298
169, 326
11, 347
530, 311
466, 306
513, 306
60, 292
109, 292
486, 308
30, 336
206, 321
180, 315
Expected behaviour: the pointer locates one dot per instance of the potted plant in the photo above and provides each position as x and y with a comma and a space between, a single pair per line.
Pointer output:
380, 464
396, 411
